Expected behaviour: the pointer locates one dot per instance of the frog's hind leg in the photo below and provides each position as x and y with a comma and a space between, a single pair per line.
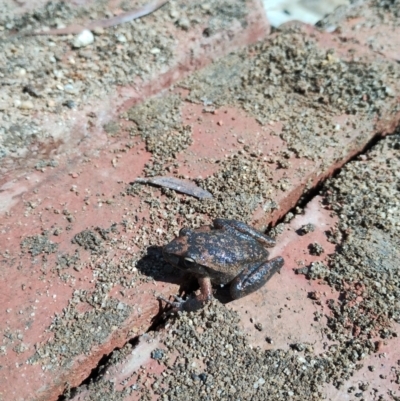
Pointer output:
241, 228
254, 277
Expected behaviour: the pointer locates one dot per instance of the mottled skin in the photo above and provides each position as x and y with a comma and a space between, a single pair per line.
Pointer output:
229, 252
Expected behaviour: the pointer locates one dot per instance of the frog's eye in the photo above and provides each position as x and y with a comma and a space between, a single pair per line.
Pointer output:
185, 232
189, 262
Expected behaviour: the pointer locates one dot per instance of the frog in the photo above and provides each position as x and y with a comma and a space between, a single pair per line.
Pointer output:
229, 252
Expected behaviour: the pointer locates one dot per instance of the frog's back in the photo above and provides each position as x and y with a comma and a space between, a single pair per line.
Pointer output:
224, 254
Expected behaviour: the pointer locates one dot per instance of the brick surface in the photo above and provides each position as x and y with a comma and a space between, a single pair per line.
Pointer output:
362, 23
283, 306
286, 310
44, 209
75, 132
34, 201
120, 374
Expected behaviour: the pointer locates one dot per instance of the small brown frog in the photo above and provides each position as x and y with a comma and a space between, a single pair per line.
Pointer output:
229, 252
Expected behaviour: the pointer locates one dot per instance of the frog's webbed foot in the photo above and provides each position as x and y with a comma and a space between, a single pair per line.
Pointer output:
177, 305
244, 230
190, 304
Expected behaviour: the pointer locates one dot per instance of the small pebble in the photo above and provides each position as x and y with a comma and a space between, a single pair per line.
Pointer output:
26, 105
69, 88
184, 23
98, 31
174, 14
258, 326
157, 354
121, 38
21, 72
83, 39
70, 104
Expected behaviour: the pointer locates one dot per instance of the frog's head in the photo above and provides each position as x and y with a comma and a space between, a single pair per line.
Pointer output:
181, 253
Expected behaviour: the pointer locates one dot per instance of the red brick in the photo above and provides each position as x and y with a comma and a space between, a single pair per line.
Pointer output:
29, 200
192, 51
283, 305
286, 308
375, 28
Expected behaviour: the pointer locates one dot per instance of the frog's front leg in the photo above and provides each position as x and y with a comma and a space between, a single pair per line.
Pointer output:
241, 228
254, 277
193, 304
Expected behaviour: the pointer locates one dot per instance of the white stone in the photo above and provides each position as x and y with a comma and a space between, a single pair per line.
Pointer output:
122, 38
69, 88
26, 105
83, 39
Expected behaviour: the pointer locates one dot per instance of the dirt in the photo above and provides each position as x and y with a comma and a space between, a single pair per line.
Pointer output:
60, 77
88, 329
158, 122
206, 355
290, 79
38, 244
372, 12
366, 196
47, 74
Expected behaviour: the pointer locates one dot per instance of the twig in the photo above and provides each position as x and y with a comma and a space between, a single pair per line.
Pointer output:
105, 23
